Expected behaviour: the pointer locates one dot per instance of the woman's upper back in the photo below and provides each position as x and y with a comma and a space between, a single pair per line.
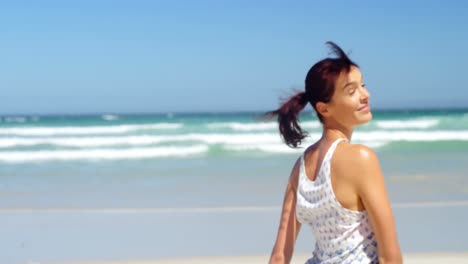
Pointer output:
341, 161
342, 235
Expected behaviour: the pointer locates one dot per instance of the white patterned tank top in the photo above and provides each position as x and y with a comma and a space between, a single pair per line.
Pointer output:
342, 235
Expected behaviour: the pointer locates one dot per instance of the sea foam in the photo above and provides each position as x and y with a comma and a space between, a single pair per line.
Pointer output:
414, 123
101, 154
83, 130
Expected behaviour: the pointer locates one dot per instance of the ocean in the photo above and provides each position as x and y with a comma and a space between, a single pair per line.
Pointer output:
45, 139
113, 186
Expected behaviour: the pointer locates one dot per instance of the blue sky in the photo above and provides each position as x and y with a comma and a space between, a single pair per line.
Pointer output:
185, 56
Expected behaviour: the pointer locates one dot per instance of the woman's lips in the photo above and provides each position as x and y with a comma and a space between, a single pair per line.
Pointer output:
364, 108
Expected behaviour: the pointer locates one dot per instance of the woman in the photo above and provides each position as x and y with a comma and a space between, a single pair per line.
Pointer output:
337, 188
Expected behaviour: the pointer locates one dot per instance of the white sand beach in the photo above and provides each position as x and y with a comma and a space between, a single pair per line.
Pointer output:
414, 258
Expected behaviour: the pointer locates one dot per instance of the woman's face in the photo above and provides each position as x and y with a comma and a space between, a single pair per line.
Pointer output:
349, 105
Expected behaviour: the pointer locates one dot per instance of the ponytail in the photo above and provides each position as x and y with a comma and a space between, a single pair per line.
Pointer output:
319, 87
288, 113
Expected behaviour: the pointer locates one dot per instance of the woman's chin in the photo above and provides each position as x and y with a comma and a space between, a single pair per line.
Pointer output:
365, 118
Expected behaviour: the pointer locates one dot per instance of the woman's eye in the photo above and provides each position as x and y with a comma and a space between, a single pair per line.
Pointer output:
351, 91
363, 85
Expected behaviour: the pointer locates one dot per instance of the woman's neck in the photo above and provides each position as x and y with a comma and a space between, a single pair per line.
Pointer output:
335, 132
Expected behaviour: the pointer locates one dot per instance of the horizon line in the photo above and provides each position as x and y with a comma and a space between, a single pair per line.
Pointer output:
180, 112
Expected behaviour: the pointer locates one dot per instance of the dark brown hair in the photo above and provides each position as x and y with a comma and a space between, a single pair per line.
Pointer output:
319, 87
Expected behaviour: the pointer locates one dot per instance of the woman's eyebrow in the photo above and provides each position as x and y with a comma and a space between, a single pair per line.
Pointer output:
350, 84
353, 82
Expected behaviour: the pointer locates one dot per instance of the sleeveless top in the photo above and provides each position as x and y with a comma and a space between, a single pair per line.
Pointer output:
342, 235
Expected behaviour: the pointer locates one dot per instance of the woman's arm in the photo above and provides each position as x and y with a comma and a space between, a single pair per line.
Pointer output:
370, 186
289, 226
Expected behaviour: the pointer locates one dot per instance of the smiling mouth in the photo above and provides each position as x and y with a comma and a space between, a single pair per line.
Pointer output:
364, 108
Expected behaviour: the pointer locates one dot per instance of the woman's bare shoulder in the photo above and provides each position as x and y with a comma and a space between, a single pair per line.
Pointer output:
357, 162
311, 149
358, 154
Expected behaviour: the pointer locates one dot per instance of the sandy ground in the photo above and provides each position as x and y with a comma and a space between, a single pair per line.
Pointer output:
426, 258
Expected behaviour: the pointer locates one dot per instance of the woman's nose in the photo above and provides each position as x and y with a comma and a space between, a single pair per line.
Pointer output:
365, 94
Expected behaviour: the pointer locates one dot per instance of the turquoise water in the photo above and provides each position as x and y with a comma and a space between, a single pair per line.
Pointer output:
154, 137
61, 177
141, 160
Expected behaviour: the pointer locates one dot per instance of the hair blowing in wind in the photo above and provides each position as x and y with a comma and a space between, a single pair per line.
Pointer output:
319, 87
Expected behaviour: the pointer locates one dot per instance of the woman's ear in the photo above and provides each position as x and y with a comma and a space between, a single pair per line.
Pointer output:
322, 109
